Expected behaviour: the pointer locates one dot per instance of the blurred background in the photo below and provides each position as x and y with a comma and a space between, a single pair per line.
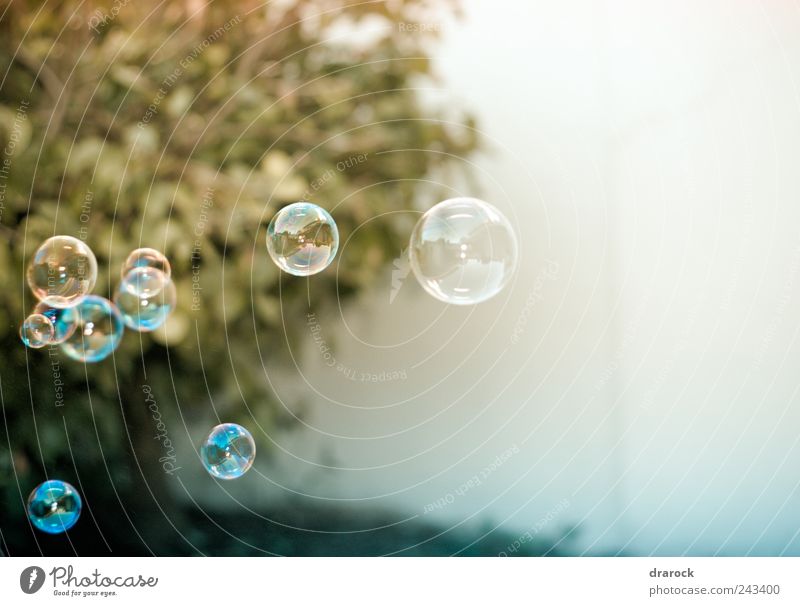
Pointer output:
633, 391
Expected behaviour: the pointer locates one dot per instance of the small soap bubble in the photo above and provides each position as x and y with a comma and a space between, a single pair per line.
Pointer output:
54, 506
63, 323
463, 251
228, 452
98, 332
302, 239
37, 331
146, 257
62, 271
145, 298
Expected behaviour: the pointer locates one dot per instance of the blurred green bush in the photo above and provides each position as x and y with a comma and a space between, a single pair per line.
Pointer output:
184, 127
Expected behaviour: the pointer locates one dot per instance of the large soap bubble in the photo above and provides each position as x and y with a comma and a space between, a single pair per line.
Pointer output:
62, 271
302, 239
463, 251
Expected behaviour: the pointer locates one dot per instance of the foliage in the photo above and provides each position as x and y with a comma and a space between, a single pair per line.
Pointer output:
184, 126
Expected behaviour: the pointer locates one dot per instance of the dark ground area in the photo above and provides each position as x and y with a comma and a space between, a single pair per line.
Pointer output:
285, 532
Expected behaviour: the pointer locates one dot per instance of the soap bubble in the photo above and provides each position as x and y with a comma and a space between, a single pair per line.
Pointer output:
62, 271
37, 331
145, 298
228, 452
302, 239
63, 323
54, 506
147, 257
98, 332
463, 251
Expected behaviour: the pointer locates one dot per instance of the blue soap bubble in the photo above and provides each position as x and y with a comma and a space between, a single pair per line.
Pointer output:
62, 271
302, 239
147, 257
54, 506
228, 452
145, 298
98, 330
36, 331
463, 251
63, 324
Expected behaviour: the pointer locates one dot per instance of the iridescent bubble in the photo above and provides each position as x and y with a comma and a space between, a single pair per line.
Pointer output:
146, 257
145, 298
228, 452
463, 251
98, 331
37, 331
63, 324
302, 239
62, 271
54, 506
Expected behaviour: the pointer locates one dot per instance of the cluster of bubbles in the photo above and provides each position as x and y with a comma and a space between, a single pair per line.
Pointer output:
463, 251
88, 328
